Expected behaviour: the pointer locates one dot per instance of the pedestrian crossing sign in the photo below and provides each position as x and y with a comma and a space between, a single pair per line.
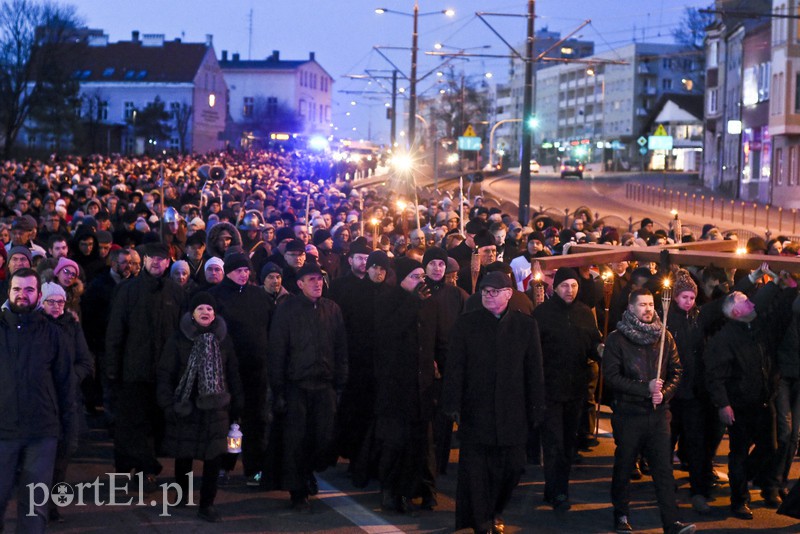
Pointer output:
470, 131
660, 131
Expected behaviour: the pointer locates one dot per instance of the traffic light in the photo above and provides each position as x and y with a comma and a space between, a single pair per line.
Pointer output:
533, 122
389, 113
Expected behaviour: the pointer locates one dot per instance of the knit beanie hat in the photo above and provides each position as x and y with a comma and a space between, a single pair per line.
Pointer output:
564, 273
19, 249
214, 261
268, 269
178, 265
404, 266
202, 297
434, 253
236, 261
320, 236
452, 266
484, 239
378, 258
51, 288
63, 263
684, 282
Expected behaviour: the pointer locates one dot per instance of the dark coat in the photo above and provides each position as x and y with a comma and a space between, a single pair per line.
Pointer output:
36, 378
628, 368
95, 310
404, 366
74, 342
569, 337
201, 434
308, 345
144, 314
448, 304
494, 378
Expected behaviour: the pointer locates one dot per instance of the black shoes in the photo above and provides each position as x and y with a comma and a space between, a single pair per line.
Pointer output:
742, 512
621, 525
560, 503
210, 514
313, 488
499, 526
680, 528
772, 498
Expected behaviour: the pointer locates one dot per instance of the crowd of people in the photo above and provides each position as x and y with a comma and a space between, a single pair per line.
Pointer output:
178, 296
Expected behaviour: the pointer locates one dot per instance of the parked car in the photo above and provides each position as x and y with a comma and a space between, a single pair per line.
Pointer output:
534, 166
571, 167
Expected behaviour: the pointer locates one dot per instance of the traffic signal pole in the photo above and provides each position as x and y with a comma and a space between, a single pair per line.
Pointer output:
527, 128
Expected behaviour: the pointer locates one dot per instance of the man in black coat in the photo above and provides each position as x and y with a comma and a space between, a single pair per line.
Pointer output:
569, 337
36, 410
342, 288
247, 313
494, 390
144, 314
640, 420
404, 405
308, 371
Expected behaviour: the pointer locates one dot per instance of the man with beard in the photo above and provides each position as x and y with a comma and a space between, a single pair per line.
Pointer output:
356, 412
640, 421
144, 314
487, 253
570, 338
343, 287
494, 391
247, 313
33, 369
308, 371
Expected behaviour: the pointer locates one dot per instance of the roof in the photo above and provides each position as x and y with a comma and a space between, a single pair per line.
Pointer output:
268, 64
127, 61
690, 103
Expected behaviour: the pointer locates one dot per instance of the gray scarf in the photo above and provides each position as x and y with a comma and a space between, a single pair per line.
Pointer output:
639, 332
205, 368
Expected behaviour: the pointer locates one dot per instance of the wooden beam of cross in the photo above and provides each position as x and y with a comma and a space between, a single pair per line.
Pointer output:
722, 254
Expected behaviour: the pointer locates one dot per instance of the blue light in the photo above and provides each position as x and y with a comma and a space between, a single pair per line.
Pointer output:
318, 143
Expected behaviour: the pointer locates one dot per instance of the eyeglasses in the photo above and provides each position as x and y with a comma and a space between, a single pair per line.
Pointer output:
69, 273
53, 302
417, 276
491, 292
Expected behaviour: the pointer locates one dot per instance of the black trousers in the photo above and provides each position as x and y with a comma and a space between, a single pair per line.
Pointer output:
589, 413
208, 490
559, 431
649, 434
253, 423
139, 429
694, 423
404, 468
307, 435
487, 477
753, 425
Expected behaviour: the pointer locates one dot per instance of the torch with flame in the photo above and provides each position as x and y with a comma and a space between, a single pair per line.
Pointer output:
666, 298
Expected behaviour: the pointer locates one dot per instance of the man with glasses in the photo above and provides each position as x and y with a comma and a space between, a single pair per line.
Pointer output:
295, 258
494, 391
144, 314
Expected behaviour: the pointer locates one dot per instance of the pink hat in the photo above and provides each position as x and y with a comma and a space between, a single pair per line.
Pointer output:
63, 263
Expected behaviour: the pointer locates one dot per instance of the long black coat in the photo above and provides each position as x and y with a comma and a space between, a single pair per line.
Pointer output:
569, 337
201, 434
144, 314
494, 378
404, 364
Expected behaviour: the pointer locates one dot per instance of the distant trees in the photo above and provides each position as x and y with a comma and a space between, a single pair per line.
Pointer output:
152, 123
691, 31
460, 104
31, 37
182, 115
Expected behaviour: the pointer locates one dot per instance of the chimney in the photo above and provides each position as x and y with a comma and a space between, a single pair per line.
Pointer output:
209, 40
135, 36
224, 55
311, 56
276, 55
235, 57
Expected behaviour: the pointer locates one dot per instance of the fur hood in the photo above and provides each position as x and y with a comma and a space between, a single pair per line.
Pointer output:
213, 234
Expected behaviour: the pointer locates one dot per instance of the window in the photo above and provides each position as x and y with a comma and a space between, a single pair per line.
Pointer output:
301, 107
666, 63
248, 107
174, 143
666, 84
713, 103
129, 109
174, 109
272, 105
779, 165
793, 163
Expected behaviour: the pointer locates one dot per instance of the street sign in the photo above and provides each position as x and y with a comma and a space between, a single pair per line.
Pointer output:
660, 131
616, 145
643, 151
469, 143
470, 131
642, 141
659, 142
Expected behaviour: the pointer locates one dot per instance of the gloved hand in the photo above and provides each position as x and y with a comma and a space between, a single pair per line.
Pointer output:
422, 291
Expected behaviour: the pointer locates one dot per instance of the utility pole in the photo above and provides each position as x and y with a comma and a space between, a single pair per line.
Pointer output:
412, 104
393, 135
527, 109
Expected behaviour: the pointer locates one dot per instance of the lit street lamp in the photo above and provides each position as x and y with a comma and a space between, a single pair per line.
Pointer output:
412, 100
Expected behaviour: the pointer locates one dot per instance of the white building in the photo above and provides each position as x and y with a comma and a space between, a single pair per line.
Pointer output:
262, 89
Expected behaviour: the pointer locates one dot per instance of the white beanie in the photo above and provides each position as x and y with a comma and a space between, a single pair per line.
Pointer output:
214, 261
51, 288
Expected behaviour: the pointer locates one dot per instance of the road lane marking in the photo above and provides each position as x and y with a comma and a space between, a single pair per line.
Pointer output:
346, 506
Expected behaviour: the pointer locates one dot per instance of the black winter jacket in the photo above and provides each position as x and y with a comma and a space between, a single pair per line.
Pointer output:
308, 345
494, 378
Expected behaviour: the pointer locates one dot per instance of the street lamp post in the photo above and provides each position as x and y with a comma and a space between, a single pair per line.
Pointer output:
491, 137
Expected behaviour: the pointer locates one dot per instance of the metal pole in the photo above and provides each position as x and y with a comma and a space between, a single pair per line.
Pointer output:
412, 104
393, 135
527, 110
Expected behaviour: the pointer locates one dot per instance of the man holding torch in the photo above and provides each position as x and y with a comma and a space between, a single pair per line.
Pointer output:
641, 366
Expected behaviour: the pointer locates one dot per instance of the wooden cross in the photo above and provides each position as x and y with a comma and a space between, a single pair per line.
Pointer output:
722, 254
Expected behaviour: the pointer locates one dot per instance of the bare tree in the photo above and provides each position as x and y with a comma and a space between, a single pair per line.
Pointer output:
27, 28
182, 115
692, 29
